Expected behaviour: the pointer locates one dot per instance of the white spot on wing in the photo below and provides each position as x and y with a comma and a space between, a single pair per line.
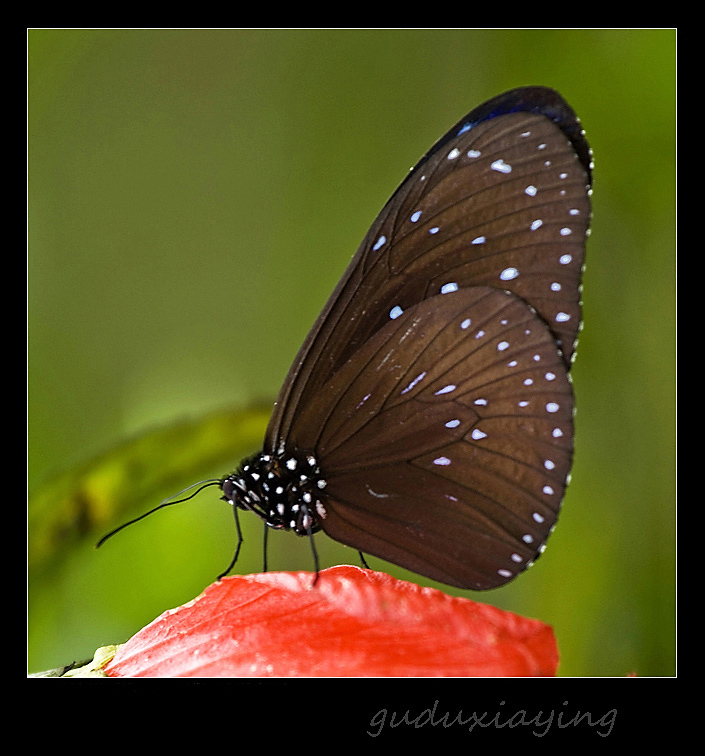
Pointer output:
364, 399
508, 274
414, 382
380, 242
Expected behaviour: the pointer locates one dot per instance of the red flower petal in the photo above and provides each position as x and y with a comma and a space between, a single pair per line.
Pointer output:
354, 622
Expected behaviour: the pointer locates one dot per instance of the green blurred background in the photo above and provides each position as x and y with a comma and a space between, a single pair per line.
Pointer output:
194, 196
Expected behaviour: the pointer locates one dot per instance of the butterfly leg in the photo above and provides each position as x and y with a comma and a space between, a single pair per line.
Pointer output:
309, 532
264, 547
237, 550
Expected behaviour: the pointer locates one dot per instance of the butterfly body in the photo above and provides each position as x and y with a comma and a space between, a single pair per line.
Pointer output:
283, 489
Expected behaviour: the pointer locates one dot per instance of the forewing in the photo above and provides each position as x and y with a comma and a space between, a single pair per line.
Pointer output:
502, 200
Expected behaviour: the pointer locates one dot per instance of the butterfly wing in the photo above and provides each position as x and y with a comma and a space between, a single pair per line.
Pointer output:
502, 200
434, 388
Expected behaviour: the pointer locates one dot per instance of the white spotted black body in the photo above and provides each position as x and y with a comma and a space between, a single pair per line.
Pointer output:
284, 490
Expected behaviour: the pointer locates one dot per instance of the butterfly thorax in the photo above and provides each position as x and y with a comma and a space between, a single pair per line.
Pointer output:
284, 490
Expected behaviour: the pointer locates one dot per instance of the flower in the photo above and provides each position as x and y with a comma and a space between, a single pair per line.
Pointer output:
352, 622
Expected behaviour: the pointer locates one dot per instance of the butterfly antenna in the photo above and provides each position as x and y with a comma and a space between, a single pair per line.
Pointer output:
166, 503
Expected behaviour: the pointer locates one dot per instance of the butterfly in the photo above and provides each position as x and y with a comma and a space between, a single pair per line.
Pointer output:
428, 417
